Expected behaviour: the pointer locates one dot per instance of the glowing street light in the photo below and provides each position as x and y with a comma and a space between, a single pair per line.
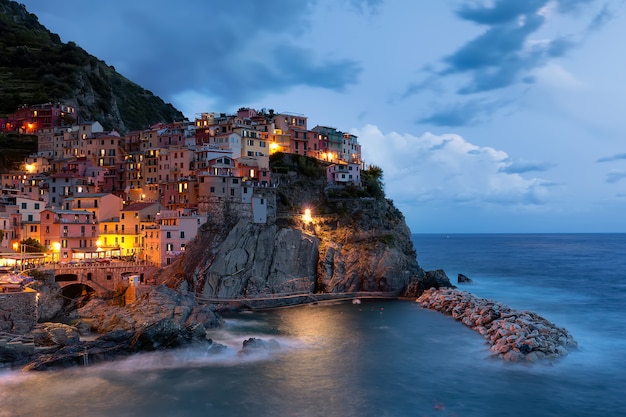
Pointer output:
56, 248
306, 217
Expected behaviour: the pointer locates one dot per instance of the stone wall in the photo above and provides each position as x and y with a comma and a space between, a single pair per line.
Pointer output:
18, 312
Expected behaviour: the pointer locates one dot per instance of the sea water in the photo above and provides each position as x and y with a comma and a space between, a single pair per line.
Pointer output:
383, 358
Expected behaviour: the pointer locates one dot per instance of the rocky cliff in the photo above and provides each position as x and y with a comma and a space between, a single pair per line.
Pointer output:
352, 243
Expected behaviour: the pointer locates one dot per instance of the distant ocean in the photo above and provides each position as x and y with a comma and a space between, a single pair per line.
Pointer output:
384, 358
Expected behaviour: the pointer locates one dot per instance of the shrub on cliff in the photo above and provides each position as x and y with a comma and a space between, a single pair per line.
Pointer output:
372, 180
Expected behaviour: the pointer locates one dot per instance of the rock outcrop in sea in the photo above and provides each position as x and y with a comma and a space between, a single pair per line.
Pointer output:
513, 335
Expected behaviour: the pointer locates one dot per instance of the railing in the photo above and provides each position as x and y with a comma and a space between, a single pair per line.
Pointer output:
256, 302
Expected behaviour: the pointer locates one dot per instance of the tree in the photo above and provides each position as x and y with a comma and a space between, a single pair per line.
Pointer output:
372, 179
31, 245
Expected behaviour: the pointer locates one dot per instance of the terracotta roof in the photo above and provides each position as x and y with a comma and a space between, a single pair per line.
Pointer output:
138, 206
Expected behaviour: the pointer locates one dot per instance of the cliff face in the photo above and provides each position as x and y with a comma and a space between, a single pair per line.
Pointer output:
359, 244
254, 260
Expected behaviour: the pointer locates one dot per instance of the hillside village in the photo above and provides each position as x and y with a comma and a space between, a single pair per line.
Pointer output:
90, 195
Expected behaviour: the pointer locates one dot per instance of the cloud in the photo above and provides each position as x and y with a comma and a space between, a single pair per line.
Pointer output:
448, 170
600, 19
502, 55
615, 176
510, 52
611, 158
464, 113
366, 5
521, 167
502, 11
231, 53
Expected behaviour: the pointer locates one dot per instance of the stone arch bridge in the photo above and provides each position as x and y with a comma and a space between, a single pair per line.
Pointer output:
102, 279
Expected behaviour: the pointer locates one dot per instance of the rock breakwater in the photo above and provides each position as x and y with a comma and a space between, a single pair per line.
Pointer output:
513, 335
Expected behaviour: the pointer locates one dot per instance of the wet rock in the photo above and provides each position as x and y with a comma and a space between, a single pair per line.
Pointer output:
254, 345
463, 279
51, 334
216, 348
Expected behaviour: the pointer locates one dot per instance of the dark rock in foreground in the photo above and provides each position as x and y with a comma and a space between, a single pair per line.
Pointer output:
254, 345
513, 335
160, 319
430, 279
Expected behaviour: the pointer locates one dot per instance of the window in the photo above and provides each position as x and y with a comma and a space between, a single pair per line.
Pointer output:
30, 217
36, 206
168, 235
23, 206
182, 234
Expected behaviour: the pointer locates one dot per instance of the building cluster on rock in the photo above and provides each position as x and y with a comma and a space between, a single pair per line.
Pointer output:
513, 335
89, 193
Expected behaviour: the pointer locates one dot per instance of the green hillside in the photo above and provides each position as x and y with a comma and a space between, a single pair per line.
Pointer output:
36, 67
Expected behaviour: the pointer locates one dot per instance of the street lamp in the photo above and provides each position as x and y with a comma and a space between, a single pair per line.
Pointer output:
56, 247
306, 217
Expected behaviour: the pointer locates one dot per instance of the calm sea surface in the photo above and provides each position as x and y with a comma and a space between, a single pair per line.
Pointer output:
384, 358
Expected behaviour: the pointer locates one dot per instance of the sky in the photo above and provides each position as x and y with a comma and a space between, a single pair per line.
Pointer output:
500, 116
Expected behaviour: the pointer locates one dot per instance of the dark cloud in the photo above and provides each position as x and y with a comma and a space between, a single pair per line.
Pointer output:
463, 113
521, 167
502, 11
502, 56
441, 145
611, 158
600, 19
613, 177
234, 52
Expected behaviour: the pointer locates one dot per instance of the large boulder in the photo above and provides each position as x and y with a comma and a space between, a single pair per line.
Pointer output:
430, 279
162, 303
55, 334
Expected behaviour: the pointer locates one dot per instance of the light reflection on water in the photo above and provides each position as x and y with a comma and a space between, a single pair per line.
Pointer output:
379, 358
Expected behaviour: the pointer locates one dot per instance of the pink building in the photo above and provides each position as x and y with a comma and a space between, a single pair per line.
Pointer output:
74, 232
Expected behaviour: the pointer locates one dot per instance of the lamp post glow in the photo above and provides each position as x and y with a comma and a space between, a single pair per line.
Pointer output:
306, 217
56, 247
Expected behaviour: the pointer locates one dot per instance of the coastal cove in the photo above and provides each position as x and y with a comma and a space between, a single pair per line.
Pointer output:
383, 357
